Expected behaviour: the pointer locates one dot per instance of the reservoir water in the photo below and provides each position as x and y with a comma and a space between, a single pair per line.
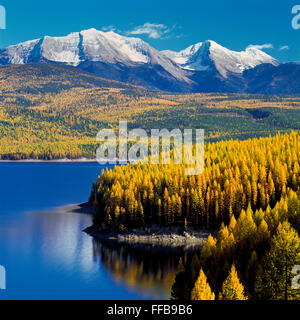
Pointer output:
47, 256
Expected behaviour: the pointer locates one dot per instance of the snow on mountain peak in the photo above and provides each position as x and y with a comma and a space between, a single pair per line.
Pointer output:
92, 46
17, 54
61, 49
111, 50
209, 54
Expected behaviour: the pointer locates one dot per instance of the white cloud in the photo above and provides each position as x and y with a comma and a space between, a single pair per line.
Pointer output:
261, 46
153, 30
109, 28
284, 48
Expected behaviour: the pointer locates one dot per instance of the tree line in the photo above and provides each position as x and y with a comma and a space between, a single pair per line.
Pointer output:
238, 174
251, 258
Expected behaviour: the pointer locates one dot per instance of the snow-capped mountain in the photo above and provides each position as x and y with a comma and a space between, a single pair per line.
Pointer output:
204, 56
203, 67
98, 52
77, 47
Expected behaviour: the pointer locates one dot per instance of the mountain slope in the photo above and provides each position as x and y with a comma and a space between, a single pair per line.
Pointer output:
106, 54
269, 79
55, 88
208, 55
41, 78
203, 67
50, 111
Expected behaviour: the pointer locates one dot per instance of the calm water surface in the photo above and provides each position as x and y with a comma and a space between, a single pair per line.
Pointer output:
45, 252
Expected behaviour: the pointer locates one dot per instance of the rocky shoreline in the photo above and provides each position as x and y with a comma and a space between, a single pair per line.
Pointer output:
172, 237
155, 236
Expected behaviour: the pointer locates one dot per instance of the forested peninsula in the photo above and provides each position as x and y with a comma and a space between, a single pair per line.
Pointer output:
248, 198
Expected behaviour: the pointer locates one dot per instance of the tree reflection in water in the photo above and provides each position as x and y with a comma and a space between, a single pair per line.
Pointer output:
146, 269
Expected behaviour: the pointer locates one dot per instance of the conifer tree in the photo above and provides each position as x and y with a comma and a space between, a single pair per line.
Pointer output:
117, 214
274, 280
209, 248
232, 289
202, 290
232, 223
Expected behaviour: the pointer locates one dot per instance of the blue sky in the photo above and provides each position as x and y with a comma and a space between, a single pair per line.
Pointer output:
164, 24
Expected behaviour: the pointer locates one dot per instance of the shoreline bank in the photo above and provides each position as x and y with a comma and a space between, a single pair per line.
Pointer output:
167, 237
85, 208
81, 160
172, 237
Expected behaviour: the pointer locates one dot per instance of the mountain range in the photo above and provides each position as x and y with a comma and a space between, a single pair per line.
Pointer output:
203, 67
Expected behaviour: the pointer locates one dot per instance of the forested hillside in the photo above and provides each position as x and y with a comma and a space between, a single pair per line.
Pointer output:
252, 257
237, 174
49, 111
249, 190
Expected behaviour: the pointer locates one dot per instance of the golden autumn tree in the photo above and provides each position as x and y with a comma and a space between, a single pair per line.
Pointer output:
232, 223
237, 174
209, 248
232, 289
202, 290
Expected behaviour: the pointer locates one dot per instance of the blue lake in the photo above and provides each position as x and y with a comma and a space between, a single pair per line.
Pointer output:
47, 256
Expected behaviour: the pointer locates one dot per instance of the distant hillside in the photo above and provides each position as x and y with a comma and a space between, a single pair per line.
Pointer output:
269, 79
49, 111
61, 88
51, 78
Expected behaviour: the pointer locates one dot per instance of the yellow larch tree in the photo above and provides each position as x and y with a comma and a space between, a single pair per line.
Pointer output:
202, 290
232, 289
